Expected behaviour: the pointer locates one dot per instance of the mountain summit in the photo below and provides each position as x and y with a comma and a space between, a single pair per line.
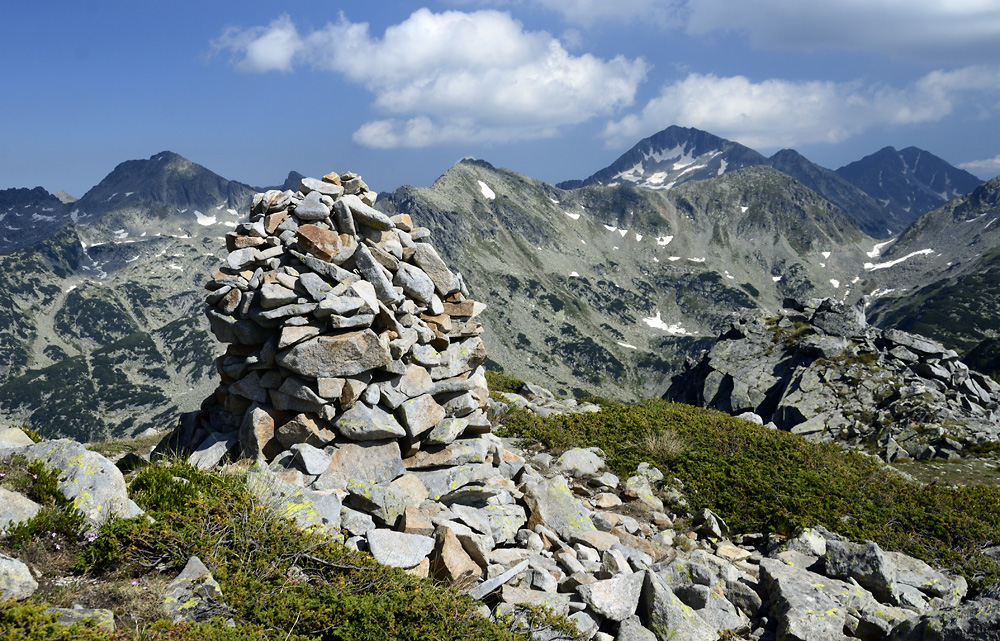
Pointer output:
673, 156
908, 183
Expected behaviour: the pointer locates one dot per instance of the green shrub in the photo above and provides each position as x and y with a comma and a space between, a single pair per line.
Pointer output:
274, 576
501, 382
770, 481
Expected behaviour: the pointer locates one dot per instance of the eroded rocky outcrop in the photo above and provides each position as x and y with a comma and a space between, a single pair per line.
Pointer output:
818, 369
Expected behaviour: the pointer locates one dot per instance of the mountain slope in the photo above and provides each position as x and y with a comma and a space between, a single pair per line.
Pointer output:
874, 220
101, 330
945, 272
673, 156
908, 183
610, 286
26, 215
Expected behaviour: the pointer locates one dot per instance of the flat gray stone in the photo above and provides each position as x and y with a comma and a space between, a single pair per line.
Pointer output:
16, 581
367, 216
15, 509
399, 549
365, 423
484, 588
341, 355
365, 462
615, 598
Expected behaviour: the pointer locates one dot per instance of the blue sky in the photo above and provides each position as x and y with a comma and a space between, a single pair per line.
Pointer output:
555, 89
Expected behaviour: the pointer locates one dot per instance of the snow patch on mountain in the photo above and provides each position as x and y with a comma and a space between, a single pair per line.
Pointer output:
891, 263
877, 249
656, 322
488, 193
203, 219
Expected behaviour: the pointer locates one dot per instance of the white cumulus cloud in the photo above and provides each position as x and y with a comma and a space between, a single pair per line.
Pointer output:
952, 31
451, 76
259, 49
784, 113
986, 168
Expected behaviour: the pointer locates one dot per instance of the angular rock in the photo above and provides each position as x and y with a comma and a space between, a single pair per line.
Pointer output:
398, 549
553, 505
195, 595
421, 414
365, 423
16, 581
450, 562
332, 356
866, 564
304, 429
615, 598
364, 462
669, 618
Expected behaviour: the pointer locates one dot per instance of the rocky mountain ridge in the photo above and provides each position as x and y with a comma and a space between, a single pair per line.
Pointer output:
819, 370
883, 192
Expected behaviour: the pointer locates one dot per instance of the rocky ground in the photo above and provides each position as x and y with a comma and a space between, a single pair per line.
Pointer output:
622, 558
818, 369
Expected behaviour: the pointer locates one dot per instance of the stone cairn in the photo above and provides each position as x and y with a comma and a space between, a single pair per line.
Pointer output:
341, 324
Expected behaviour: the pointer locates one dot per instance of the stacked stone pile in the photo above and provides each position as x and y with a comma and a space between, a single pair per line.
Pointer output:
343, 325
819, 370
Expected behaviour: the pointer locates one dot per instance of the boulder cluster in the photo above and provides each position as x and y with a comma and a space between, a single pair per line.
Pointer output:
624, 560
818, 369
343, 326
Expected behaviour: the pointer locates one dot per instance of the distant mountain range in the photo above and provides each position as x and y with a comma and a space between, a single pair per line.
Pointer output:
596, 287
883, 192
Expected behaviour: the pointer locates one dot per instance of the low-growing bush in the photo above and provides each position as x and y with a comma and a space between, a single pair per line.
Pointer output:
762, 480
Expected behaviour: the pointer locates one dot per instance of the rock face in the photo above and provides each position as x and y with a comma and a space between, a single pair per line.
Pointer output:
819, 370
343, 326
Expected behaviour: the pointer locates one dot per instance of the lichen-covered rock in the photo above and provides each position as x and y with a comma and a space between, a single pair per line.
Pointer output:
194, 595
97, 617
553, 505
16, 581
88, 480
15, 509
307, 508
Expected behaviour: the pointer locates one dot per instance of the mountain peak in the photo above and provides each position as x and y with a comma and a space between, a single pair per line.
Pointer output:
167, 179
910, 182
671, 157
